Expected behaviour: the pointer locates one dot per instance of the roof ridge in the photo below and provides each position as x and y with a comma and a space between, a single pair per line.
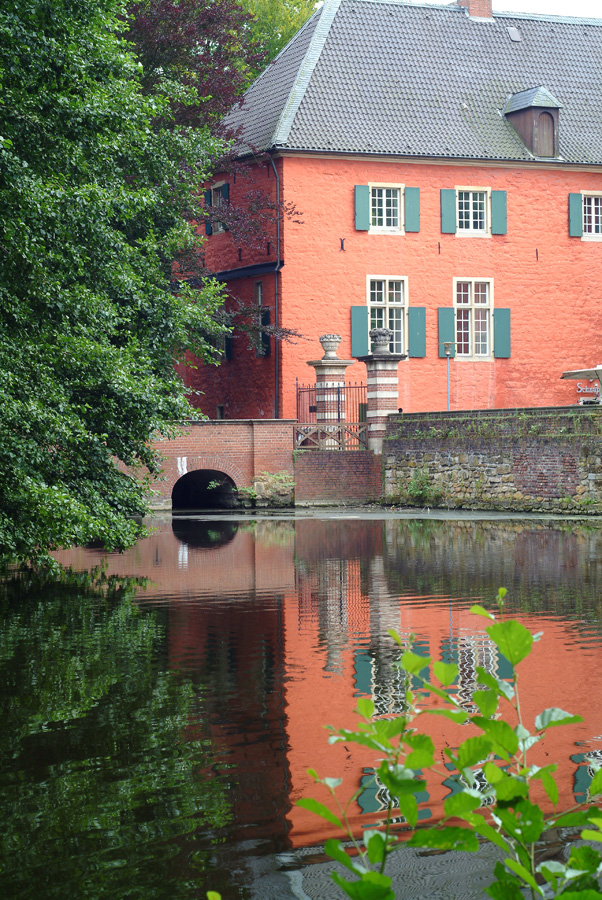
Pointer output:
327, 13
503, 14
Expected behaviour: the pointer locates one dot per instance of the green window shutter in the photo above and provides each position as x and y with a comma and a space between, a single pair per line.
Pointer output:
575, 215
208, 226
359, 331
411, 199
501, 333
447, 329
448, 211
362, 207
226, 192
228, 347
498, 212
416, 331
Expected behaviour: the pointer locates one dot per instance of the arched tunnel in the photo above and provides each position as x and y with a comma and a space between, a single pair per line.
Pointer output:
204, 489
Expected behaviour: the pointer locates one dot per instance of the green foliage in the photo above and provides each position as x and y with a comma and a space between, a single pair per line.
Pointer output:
500, 752
421, 491
91, 196
107, 777
276, 22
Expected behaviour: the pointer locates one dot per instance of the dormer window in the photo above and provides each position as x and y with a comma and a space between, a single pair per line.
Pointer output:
534, 116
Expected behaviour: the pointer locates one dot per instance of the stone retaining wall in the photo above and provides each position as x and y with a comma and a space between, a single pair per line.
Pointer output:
547, 459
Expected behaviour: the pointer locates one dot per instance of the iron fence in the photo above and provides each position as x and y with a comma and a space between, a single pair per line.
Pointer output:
350, 403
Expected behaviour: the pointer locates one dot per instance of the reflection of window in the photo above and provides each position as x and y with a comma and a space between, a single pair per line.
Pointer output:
387, 305
473, 302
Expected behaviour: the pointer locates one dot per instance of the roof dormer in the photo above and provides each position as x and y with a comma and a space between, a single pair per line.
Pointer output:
534, 116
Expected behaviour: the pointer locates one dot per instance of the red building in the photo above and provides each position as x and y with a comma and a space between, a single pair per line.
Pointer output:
447, 166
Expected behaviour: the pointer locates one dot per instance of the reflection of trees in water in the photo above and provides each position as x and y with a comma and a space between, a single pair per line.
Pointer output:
104, 784
553, 566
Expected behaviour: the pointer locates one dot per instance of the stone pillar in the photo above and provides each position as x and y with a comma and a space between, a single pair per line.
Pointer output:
383, 386
330, 381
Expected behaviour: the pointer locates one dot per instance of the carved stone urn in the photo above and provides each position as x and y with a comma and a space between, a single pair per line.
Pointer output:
381, 338
330, 342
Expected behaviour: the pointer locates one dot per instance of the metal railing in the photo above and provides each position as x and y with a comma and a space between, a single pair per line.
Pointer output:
349, 404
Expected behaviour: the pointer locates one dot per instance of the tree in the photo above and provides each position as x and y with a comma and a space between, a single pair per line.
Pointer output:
94, 182
275, 22
200, 53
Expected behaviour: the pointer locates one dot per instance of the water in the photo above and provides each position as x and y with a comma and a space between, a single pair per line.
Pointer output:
155, 738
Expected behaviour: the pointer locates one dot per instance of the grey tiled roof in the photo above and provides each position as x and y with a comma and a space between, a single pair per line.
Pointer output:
538, 96
369, 76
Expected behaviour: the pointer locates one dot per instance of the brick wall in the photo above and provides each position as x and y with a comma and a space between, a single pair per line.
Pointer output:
241, 449
547, 460
324, 477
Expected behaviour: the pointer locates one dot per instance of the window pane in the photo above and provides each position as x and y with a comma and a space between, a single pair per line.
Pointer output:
463, 209
463, 331
481, 331
592, 215
377, 291
396, 292
377, 207
463, 293
377, 318
392, 207
478, 211
481, 292
396, 326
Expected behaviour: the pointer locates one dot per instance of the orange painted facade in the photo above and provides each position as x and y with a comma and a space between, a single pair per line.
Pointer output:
550, 282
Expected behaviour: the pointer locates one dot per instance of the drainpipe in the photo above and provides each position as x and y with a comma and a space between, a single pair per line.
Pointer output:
276, 304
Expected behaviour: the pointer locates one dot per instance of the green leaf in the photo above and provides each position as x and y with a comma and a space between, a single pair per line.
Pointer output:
365, 707
445, 672
588, 835
376, 845
487, 831
487, 702
548, 781
498, 685
213, 895
320, 810
595, 787
554, 716
399, 780
447, 838
454, 715
512, 639
332, 783
524, 822
572, 819
588, 894
373, 886
460, 804
481, 611
473, 750
413, 663
524, 874
500, 733
409, 808
423, 750
336, 851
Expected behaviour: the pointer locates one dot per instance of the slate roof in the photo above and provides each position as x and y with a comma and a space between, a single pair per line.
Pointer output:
391, 77
538, 97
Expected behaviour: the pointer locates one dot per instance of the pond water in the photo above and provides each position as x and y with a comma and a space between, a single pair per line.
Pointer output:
155, 737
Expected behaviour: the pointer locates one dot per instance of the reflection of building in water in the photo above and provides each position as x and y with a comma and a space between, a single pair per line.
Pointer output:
324, 597
474, 650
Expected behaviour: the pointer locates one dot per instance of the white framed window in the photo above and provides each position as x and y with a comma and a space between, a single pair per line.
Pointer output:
473, 211
387, 306
386, 208
473, 302
592, 217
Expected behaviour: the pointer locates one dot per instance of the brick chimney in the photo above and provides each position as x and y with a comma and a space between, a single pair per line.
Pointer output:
478, 9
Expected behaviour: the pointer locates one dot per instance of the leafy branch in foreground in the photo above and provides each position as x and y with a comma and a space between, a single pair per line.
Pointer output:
500, 751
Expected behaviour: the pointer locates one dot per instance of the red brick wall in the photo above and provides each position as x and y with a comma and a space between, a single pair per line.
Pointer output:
337, 477
239, 449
